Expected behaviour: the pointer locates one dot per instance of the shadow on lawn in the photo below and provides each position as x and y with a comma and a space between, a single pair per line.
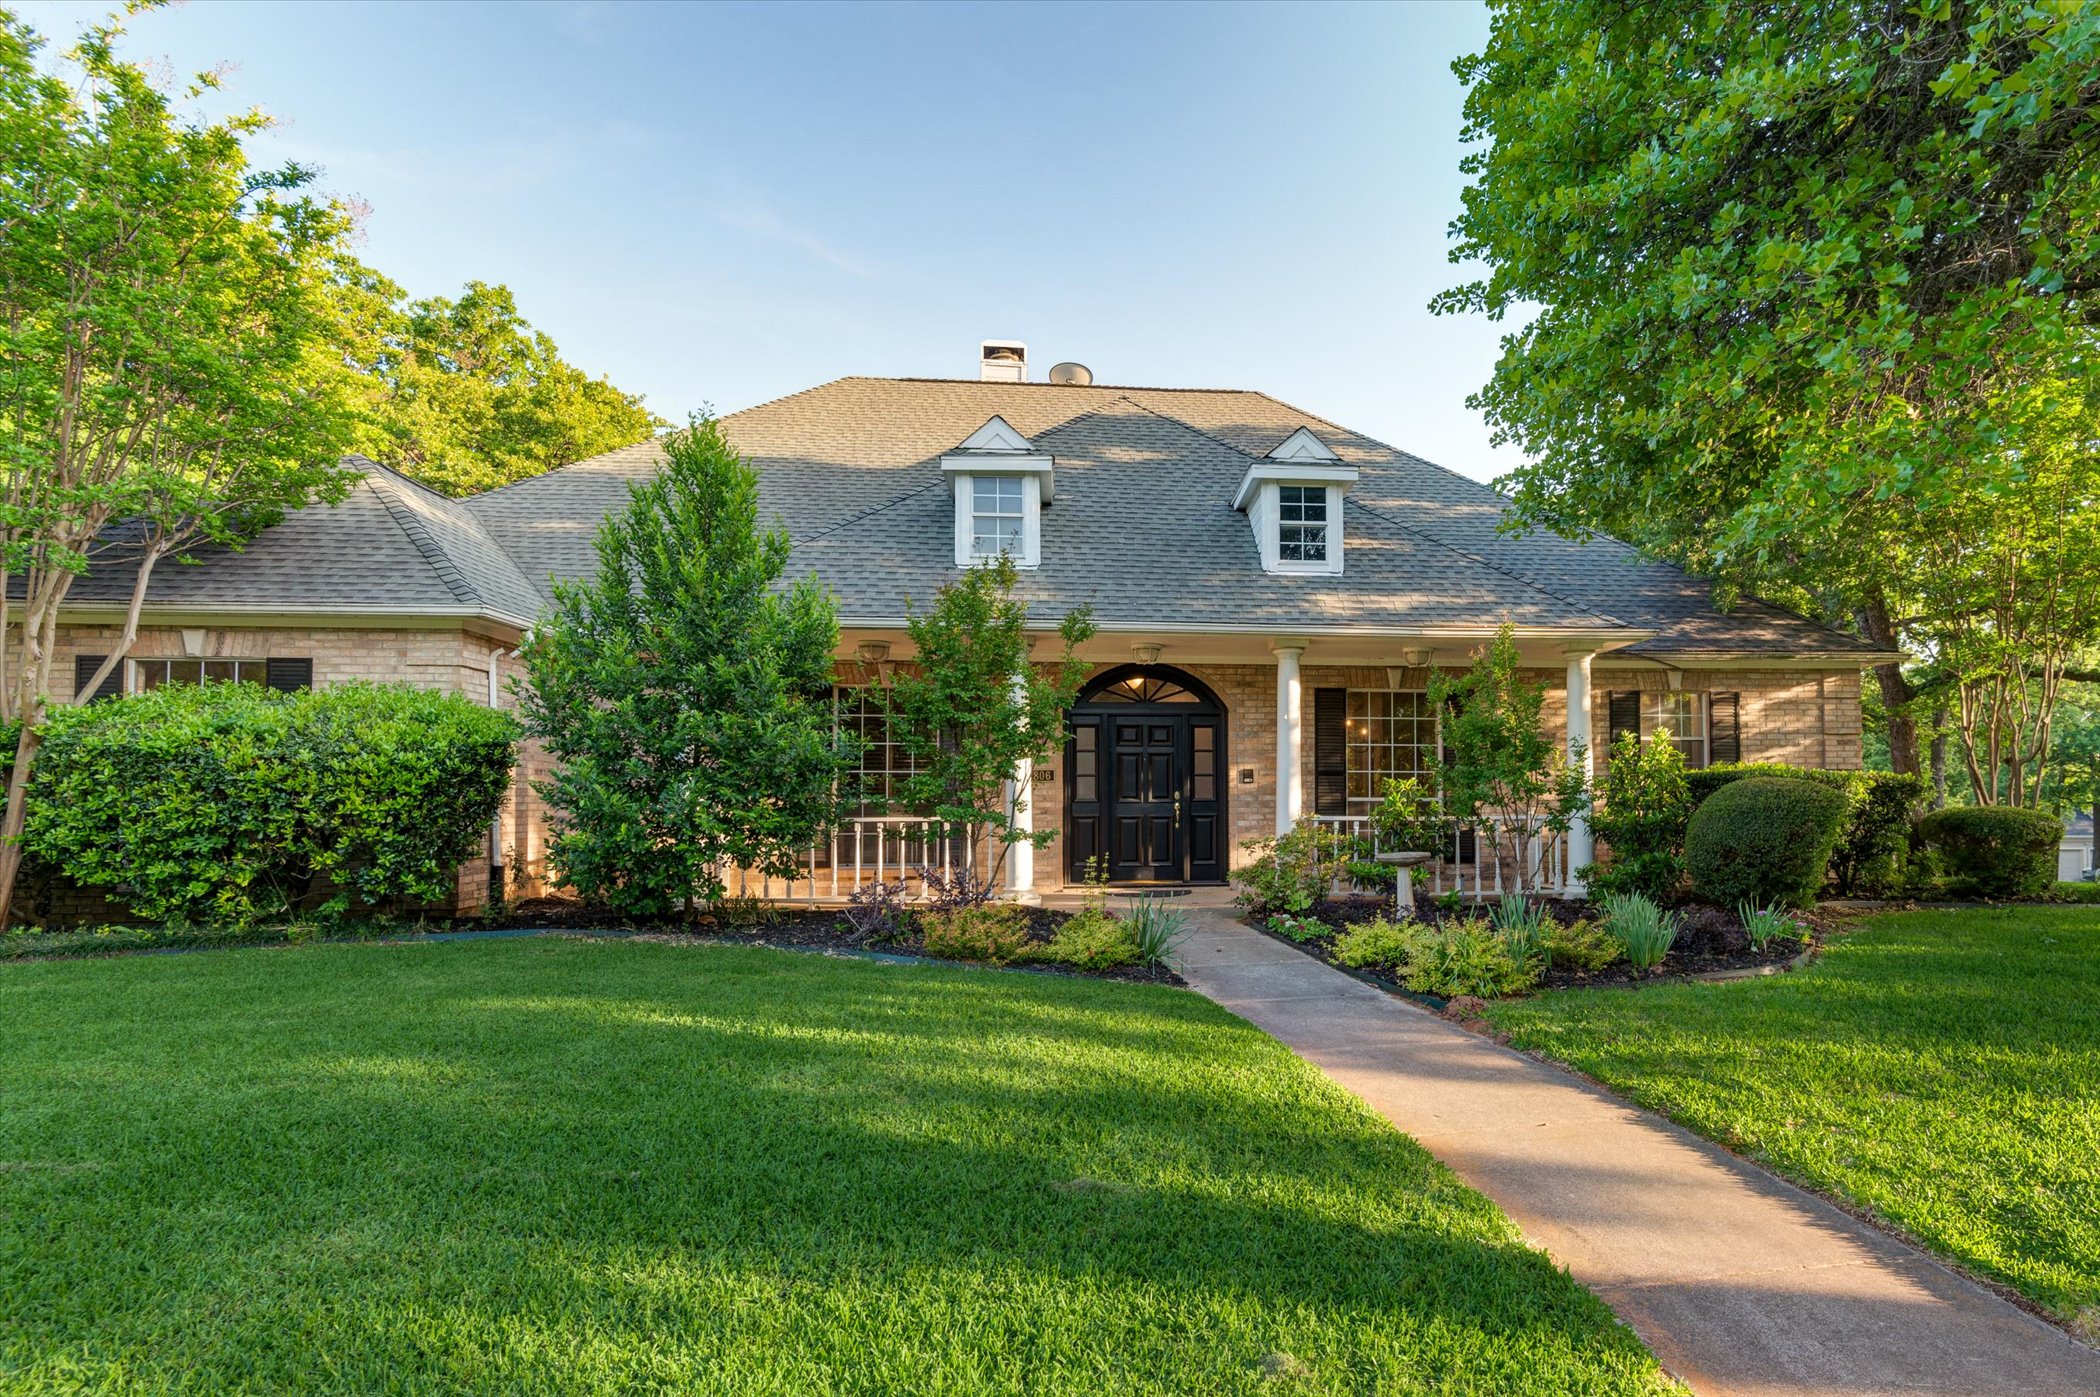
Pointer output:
507, 1148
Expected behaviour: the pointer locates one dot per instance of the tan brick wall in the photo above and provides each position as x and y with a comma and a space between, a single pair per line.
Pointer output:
1802, 718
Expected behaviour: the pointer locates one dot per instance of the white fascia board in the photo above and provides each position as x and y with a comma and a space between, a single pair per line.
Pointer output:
1285, 473
1033, 464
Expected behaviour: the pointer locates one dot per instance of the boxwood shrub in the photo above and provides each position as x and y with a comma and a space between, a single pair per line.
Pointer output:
228, 804
1765, 840
1996, 850
1874, 843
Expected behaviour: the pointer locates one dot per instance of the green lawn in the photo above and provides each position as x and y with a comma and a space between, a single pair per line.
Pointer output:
1940, 1068
567, 1166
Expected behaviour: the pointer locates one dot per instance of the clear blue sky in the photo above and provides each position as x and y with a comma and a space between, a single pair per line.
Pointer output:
719, 205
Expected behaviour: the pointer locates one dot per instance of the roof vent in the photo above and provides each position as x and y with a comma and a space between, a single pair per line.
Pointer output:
1071, 374
1002, 361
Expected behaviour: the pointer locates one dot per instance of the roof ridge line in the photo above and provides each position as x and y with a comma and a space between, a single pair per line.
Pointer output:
433, 552
848, 522
1185, 424
1518, 578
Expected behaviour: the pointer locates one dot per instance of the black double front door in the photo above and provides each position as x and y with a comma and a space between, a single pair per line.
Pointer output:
1144, 794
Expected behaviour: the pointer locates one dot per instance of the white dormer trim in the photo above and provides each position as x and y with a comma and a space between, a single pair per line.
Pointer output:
996, 451
1302, 445
1301, 463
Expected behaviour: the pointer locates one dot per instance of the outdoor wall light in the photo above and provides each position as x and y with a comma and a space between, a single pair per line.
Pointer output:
1147, 654
872, 652
1417, 656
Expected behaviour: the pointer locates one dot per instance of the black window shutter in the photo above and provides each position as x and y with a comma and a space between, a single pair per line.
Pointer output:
84, 667
289, 676
1330, 752
1625, 716
1724, 728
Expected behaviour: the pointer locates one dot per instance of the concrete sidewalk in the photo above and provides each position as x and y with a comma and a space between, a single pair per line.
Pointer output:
1740, 1283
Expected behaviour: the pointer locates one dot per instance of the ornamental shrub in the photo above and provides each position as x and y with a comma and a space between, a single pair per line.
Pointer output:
1091, 939
993, 932
1641, 818
1290, 872
1465, 957
1873, 848
229, 804
1581, 945
1376, 944
1996, 850
1764, 839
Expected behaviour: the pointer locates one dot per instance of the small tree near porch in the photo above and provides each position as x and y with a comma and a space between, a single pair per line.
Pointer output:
685, 696
975, 708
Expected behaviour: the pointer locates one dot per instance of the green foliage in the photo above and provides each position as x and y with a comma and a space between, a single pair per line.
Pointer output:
965, 721
1298, 929
685, 695
1764, 839
2085, 893
226, 804
465, 395
1155, 928
1764, 925
1522, 924
171, 343
1873, 848
1642, 816
1465, 957
1804, 295
1502, 761
1091, 939
1288, 873
1643, 930
993, 932
1409, 816
1374, 945
1996, 850
1581, 945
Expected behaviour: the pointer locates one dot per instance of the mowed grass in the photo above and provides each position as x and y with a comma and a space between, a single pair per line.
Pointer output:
553, 1165
1939, 1068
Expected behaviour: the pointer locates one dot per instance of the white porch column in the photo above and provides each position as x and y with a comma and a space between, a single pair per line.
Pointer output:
1582, 850
1290, 732
1020, 858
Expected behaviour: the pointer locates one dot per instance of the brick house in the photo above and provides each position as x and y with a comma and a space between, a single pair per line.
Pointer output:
1272, 592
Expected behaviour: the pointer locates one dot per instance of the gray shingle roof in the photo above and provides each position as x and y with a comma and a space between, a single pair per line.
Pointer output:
1142, 527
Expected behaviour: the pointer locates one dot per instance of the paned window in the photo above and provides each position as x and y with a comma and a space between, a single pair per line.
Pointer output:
1388, 735
996, 515
156, 674
884, 764
1683, 717
1301, 523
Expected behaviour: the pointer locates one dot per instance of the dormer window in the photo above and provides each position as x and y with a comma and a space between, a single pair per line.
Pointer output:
1293, 501
997, 518
1301, 524
1002, 485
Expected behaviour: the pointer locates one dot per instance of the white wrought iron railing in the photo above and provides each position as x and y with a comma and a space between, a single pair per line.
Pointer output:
1478, 858
866, 849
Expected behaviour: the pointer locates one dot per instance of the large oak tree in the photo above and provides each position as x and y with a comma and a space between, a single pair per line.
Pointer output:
1791, 278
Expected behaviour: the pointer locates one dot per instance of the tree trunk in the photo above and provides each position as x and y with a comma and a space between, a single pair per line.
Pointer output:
1896, 693
1939, 757
12, 823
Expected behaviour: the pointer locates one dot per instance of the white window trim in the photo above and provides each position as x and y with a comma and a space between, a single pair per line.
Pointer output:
1436, 742
1034, 494
1651, 722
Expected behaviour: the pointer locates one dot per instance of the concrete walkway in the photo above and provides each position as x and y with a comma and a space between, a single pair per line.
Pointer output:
1740, 1283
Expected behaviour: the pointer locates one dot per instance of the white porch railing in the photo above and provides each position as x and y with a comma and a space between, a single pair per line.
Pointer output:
866, 849
1479, 858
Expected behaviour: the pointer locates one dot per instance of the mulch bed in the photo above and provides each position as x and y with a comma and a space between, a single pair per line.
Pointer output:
805, 929
1712, 941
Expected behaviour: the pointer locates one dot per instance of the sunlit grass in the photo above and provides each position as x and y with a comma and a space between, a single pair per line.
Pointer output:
566, 1166
1939, 1068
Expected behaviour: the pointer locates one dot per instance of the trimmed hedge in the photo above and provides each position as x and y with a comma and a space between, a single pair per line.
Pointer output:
1873, 845
1764, 839
1996, 850
227, 804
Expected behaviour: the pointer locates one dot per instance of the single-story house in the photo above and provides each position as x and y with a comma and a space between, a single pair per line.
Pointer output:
1272, 591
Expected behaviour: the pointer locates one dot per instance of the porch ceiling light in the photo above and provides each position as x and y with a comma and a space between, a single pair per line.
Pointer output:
872, 652
1416, 656
1147, 654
